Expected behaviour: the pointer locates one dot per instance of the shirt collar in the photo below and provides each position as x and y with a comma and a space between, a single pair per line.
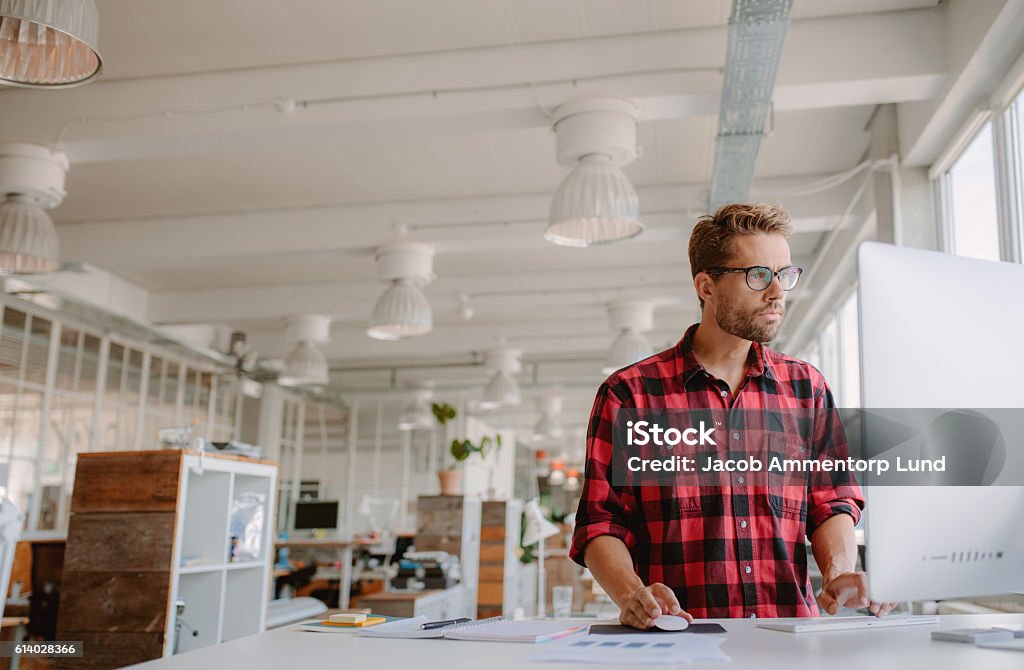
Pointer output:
757, 361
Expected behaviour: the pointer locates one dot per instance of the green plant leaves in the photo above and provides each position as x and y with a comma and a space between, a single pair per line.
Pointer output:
443, 412
462, 449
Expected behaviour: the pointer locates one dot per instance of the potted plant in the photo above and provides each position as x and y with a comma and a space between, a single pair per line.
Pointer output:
461, 450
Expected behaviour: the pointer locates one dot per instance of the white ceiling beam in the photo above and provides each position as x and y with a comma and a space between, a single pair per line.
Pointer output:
593, 338
466, 225
874, 58
508, 295
984, 37
350, 300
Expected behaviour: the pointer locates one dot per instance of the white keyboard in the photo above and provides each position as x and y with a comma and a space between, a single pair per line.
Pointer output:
846, 623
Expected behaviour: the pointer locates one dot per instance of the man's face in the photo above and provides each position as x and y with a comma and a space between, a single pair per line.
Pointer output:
742, 311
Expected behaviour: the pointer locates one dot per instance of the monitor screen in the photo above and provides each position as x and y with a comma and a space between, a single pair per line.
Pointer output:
317, 514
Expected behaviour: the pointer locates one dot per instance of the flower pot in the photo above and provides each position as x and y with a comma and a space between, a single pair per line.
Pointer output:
451, 482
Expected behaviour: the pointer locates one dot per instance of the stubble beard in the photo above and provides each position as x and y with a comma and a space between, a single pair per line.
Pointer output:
745, 324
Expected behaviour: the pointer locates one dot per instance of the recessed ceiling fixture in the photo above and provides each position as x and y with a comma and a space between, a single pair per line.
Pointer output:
31, 180
596, 203
631, 319
306, 365
49, 43
502, 390
403, 310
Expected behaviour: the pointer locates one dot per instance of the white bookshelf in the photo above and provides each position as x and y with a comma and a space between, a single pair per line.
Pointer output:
224, 599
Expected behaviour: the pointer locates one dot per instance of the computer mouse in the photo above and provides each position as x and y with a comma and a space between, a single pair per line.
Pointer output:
671, 622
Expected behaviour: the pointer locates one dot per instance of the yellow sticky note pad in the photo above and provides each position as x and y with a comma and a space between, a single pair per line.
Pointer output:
370, 621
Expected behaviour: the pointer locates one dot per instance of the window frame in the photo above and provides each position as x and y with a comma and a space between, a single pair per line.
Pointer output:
1005, 110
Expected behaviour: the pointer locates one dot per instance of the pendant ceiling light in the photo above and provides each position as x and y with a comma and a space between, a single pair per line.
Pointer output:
549, 425
596, 203
631, 319
31, 181
403, 309
502, 389
417, 413
49, 43
306, 365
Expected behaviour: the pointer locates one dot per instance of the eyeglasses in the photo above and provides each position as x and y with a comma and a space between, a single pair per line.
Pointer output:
759, 277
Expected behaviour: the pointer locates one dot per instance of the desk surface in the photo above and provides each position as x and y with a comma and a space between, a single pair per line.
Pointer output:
399, 596
313, 543
749, 647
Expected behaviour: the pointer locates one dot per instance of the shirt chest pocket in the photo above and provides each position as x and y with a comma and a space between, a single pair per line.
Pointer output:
672, 503
787, 481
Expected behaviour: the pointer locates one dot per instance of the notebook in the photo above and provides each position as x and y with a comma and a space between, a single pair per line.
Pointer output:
494, 629
327, 627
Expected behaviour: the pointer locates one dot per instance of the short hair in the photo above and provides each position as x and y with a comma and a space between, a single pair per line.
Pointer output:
711, 239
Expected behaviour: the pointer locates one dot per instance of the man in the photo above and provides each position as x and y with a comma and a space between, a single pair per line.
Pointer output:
742, 556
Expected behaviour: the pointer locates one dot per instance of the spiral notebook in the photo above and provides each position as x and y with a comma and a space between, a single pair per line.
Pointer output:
494, 629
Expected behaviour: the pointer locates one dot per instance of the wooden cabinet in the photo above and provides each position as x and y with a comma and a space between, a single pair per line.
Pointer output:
436, 605
150, 529
499, 558
452, 524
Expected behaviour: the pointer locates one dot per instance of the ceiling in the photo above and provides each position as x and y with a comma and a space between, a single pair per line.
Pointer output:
188, 179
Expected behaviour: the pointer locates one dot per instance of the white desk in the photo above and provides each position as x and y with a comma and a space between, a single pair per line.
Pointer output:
749, 647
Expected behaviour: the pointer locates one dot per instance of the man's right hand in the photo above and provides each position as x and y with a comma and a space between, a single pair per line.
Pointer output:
645, 603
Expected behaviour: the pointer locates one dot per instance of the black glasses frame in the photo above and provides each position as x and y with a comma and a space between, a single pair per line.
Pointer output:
748, 271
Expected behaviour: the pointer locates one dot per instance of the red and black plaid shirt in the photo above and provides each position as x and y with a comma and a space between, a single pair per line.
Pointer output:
726, 551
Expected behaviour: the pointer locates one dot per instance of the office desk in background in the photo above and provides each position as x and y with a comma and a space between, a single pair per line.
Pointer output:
750, 648
342, 550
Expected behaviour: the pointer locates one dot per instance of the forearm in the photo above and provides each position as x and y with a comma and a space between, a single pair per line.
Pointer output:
609, 561
835, 546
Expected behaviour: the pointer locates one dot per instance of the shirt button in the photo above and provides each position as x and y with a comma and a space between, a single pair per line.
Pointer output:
724, 393
735, 436
743, 524
739, 479
747, 569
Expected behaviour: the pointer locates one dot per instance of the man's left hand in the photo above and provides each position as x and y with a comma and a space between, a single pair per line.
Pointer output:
850, 589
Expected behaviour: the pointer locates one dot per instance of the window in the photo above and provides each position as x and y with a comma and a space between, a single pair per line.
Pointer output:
102, 394
849, 354
1016, 126
835, 351
972, 193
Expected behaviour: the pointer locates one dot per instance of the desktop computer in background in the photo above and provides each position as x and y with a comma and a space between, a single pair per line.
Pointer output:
942, 368
317, 515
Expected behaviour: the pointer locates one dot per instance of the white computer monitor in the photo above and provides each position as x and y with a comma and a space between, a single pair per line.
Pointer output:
941, 331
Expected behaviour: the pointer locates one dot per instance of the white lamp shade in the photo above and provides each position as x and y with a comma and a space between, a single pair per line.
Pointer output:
547, 427
28, 238
595, 204
501, 391
537, 526
49, 43
415, 415
401, 311
628, 348
305, 366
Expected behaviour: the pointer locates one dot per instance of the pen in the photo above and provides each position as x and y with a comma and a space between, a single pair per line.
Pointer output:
430, 625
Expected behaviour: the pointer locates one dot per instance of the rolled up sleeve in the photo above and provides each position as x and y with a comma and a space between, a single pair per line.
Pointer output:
604, 509
836, 492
